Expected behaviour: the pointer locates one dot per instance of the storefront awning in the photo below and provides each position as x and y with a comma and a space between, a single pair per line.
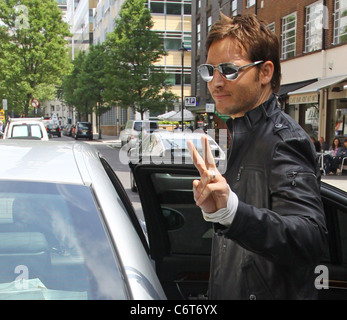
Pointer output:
320, 84
285, 88
309, 93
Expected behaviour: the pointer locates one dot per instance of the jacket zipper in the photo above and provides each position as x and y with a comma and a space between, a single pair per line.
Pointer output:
293, 174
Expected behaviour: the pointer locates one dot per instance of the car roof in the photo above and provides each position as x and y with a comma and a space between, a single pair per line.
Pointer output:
45, 161
25, 119
180, 134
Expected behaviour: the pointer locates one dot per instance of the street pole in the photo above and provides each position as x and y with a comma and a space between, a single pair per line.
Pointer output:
182, 49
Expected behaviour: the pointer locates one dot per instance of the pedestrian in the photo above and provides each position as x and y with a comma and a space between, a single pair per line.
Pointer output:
316, 144
177, 128
268, 219
323, 144
331, 160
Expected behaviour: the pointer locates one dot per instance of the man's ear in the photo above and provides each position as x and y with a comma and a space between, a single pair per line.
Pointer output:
266, 72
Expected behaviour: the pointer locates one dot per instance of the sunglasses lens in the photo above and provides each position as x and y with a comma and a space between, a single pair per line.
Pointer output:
228, 71
206, 72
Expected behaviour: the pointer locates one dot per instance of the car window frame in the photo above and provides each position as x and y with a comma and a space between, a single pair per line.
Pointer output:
126, 201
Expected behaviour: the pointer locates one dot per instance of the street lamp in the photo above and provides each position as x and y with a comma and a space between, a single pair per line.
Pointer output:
182, 49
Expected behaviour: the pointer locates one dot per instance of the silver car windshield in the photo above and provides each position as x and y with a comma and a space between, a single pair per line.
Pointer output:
53, 244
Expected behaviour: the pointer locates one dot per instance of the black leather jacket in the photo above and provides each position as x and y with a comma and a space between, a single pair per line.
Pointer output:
278, 233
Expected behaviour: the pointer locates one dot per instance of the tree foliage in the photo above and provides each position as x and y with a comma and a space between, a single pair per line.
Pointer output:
34, 53
131, 77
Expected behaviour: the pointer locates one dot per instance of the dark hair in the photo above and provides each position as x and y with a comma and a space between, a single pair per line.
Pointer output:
333, 144
252, 34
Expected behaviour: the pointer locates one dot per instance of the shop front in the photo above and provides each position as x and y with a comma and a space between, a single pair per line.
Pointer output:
321, 108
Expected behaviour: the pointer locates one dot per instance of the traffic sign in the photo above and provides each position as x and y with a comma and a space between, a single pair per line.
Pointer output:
209, 107
190, 101
35, 103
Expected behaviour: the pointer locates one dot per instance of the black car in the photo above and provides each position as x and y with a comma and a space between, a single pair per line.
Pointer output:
83, 130
53, 129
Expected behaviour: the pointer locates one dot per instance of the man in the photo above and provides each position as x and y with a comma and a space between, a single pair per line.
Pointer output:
269, 225
324, 146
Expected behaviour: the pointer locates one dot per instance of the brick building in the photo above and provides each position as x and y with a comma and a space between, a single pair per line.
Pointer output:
313, 38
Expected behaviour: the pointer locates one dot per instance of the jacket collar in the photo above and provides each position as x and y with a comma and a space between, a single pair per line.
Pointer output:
252, 117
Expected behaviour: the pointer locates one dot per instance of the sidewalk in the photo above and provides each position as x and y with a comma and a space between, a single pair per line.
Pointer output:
112, 140
337, 181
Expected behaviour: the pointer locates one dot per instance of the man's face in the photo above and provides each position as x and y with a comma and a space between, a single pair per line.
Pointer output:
238, 96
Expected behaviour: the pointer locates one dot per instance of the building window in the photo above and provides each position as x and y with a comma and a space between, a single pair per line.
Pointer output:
271, 27
313, 27
288, 36
234, 8
198, 37
340, 23
157, 7
209, 23
173, 8
250, 3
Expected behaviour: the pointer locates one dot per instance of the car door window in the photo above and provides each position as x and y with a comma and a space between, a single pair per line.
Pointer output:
125, 201
36, 131
335, 257
342, 222
188, 232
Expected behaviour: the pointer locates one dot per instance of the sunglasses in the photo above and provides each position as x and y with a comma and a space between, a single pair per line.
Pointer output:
229, 71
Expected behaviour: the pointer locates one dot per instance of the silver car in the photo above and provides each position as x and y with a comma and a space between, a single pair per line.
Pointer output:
171, 147
67, 228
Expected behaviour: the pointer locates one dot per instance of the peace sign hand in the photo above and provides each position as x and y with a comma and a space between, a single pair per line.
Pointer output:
211, 192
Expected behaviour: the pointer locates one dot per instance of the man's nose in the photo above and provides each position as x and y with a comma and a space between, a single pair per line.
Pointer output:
218, 80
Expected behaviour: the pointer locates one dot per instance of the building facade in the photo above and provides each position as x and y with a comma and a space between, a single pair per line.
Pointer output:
313, 41
172, 22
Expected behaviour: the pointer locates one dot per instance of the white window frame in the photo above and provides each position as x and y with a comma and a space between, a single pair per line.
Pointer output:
286, 30
314, 27
340, 29
250, 3
271, 26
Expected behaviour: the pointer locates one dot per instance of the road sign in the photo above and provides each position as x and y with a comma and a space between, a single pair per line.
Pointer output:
35, 103
209, 107
190, 101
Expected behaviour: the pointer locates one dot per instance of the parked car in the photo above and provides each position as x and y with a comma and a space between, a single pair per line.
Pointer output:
68, 231
83, 130
67, 130
53, 129
135, 129
25, 128
171, 147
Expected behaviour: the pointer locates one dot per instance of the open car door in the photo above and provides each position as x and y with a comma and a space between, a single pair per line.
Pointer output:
179, 238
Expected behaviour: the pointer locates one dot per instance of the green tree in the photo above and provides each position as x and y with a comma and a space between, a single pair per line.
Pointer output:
72, 90
91, 81
132, 79
34, 52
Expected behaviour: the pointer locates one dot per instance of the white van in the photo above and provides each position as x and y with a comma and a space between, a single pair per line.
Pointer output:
26, 128
134, 128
